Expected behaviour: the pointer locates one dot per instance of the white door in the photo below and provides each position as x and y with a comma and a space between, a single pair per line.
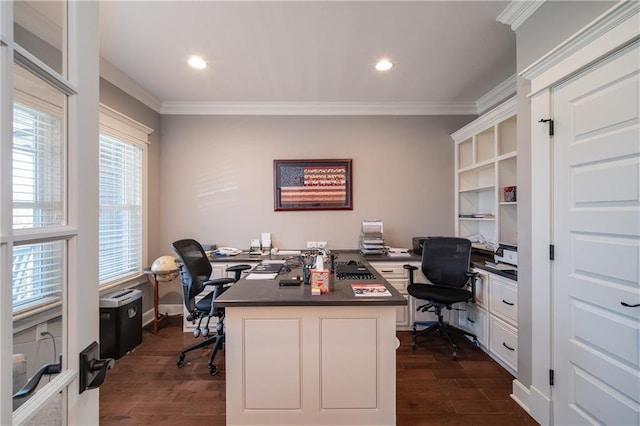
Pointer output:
49, 68
596, 230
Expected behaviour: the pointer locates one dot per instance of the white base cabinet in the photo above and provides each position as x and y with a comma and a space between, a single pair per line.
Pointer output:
311, 365
493, 318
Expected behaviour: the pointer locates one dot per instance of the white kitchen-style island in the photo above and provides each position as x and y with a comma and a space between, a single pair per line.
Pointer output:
296, 359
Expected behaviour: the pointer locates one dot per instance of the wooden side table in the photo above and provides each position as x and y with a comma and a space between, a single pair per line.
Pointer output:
153, 278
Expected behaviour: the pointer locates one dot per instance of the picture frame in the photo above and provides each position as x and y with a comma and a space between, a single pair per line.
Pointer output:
313, 184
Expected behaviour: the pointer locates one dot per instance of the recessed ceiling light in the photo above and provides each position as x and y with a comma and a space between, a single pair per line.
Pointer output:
197, 62
384, 65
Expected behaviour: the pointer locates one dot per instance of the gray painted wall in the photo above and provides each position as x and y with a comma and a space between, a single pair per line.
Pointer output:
120, 101
549, 26
216, 178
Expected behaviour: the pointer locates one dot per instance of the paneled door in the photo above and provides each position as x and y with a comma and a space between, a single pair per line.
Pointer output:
596, 230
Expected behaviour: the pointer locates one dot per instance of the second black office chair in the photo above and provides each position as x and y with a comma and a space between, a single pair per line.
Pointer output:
446, 264
195, 276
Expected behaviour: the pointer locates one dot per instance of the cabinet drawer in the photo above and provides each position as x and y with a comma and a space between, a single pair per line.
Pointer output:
475, 321
390, 270
503, 299
504, 343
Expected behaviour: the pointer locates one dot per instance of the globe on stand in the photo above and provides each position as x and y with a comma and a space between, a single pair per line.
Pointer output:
165, 268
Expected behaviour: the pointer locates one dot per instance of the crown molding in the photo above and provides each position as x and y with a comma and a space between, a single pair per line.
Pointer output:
518, 11
614, 28
499, 113
319, 108
498, 94
119, 79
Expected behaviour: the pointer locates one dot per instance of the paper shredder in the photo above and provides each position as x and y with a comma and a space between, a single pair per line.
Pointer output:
120, 322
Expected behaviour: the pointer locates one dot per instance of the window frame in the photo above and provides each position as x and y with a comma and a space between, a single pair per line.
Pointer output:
118, 126
43, 103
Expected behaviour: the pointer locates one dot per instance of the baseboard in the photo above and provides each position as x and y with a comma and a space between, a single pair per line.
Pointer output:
174, 309
541, 407
521, 395
533, 402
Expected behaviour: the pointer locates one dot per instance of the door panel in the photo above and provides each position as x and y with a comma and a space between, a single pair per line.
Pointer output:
596, 220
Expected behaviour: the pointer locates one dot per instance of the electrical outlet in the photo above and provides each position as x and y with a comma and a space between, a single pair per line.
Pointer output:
40, 329
321, 244
312, 244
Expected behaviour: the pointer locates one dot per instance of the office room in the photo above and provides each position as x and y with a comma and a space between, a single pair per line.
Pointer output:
491, 108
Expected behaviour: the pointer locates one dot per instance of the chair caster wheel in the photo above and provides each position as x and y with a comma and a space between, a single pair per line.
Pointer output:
196, 332
213, 370
181, 361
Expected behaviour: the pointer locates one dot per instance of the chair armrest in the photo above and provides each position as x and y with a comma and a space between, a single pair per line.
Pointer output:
218, 281
473, 276
237, 270
410, 268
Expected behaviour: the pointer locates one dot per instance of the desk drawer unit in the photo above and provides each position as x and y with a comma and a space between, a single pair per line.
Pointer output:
504, 343
503, 299
474, 320
398, 277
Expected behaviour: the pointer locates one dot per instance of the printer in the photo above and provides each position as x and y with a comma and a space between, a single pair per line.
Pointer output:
506, 253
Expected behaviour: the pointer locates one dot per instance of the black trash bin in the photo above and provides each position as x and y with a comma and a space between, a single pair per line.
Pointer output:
120, 322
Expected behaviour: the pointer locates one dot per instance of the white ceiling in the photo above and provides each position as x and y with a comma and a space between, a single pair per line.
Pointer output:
307, 54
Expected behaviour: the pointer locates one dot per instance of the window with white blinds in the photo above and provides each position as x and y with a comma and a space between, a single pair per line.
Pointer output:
38, 164
37, 274
121, 209
38, 191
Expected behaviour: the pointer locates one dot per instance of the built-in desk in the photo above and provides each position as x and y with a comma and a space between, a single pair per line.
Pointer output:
297, 359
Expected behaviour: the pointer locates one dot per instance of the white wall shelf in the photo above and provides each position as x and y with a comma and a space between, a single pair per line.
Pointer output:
486, 160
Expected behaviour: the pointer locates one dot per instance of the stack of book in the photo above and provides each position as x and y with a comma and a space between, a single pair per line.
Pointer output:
371, 237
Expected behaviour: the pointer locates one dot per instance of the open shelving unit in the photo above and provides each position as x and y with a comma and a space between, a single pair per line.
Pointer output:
486, 163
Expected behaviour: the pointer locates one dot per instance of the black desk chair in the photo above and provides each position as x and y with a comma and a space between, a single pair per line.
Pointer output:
195, 273
445, 263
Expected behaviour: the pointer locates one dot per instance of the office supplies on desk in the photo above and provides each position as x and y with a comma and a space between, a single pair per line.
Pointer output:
289, 282
370, 290
261, 276
227, 251
319, 281
288, 252
371, 237
268, 266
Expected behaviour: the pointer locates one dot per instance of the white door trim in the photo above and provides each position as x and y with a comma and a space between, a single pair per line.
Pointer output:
614, 29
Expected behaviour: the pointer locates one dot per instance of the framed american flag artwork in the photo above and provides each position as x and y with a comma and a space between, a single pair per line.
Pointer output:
312, 185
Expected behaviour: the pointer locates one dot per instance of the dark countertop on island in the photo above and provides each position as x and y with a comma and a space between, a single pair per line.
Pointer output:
246, 293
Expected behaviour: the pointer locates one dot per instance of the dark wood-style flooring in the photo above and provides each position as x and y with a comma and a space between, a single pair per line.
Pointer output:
147, 388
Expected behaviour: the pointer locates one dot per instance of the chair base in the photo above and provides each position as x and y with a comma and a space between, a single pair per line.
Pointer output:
444, 328
216, 340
